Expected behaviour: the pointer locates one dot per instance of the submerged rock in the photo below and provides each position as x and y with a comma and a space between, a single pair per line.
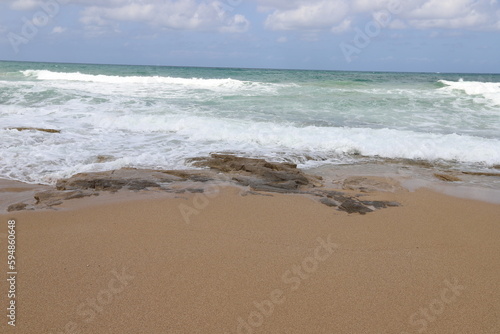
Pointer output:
447, 177
482, 174
35, 129
55, 197
18, 207
104, 158
370, 184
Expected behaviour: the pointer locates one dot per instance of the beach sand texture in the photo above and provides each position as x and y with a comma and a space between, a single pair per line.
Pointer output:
247, 262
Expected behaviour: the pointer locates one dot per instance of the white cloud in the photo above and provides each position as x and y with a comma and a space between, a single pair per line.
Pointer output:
215, 15
441, 9
309, 15
58, 30
343, 26
366, 6
309, 37
24, 4
452, 14
269, 5
398, 24
170, 14
338, 15
237, 23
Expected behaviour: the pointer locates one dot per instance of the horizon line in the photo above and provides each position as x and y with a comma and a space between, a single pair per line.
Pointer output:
244, 68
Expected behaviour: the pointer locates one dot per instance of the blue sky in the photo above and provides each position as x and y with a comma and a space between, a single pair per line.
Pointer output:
373, 35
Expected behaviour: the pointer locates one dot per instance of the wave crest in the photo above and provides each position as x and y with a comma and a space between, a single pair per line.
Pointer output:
196, 83
489, 90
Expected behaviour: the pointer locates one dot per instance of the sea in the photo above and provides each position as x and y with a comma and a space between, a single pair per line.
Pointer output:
114, 116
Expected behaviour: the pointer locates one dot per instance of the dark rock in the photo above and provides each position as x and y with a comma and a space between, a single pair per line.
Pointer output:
482, 174
17, 207
195, 191
55, 197
230, 163
195, 175
200, 178
271, 189
258, 173
258, 184
141, 184
35, 129
332, 194
329, 202
350, 204
447, 178
128, 178
380, 204
104, 158
354, 206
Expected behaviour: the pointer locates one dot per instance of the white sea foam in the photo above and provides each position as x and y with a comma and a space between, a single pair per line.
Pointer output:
193, 83
165, 142
488, 90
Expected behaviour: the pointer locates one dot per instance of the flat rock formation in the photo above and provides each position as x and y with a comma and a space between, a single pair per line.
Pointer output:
256, 174
259, 174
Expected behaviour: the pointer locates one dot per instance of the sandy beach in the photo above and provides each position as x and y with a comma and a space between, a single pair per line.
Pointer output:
239, 261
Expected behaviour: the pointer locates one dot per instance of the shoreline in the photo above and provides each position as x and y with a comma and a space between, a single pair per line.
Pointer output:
383, 176
483, 187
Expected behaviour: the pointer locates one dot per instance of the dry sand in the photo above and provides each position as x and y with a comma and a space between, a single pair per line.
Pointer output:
255, 264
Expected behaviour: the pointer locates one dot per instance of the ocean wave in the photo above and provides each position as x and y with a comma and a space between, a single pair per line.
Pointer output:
271, 137
193, 83
489, 90
159, 142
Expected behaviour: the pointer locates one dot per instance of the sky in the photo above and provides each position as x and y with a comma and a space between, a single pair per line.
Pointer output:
460, 36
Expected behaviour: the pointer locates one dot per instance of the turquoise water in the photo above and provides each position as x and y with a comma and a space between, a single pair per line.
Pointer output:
157, 117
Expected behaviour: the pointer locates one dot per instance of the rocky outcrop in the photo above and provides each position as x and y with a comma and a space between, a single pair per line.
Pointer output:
259, 174
125, 178
256, 174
